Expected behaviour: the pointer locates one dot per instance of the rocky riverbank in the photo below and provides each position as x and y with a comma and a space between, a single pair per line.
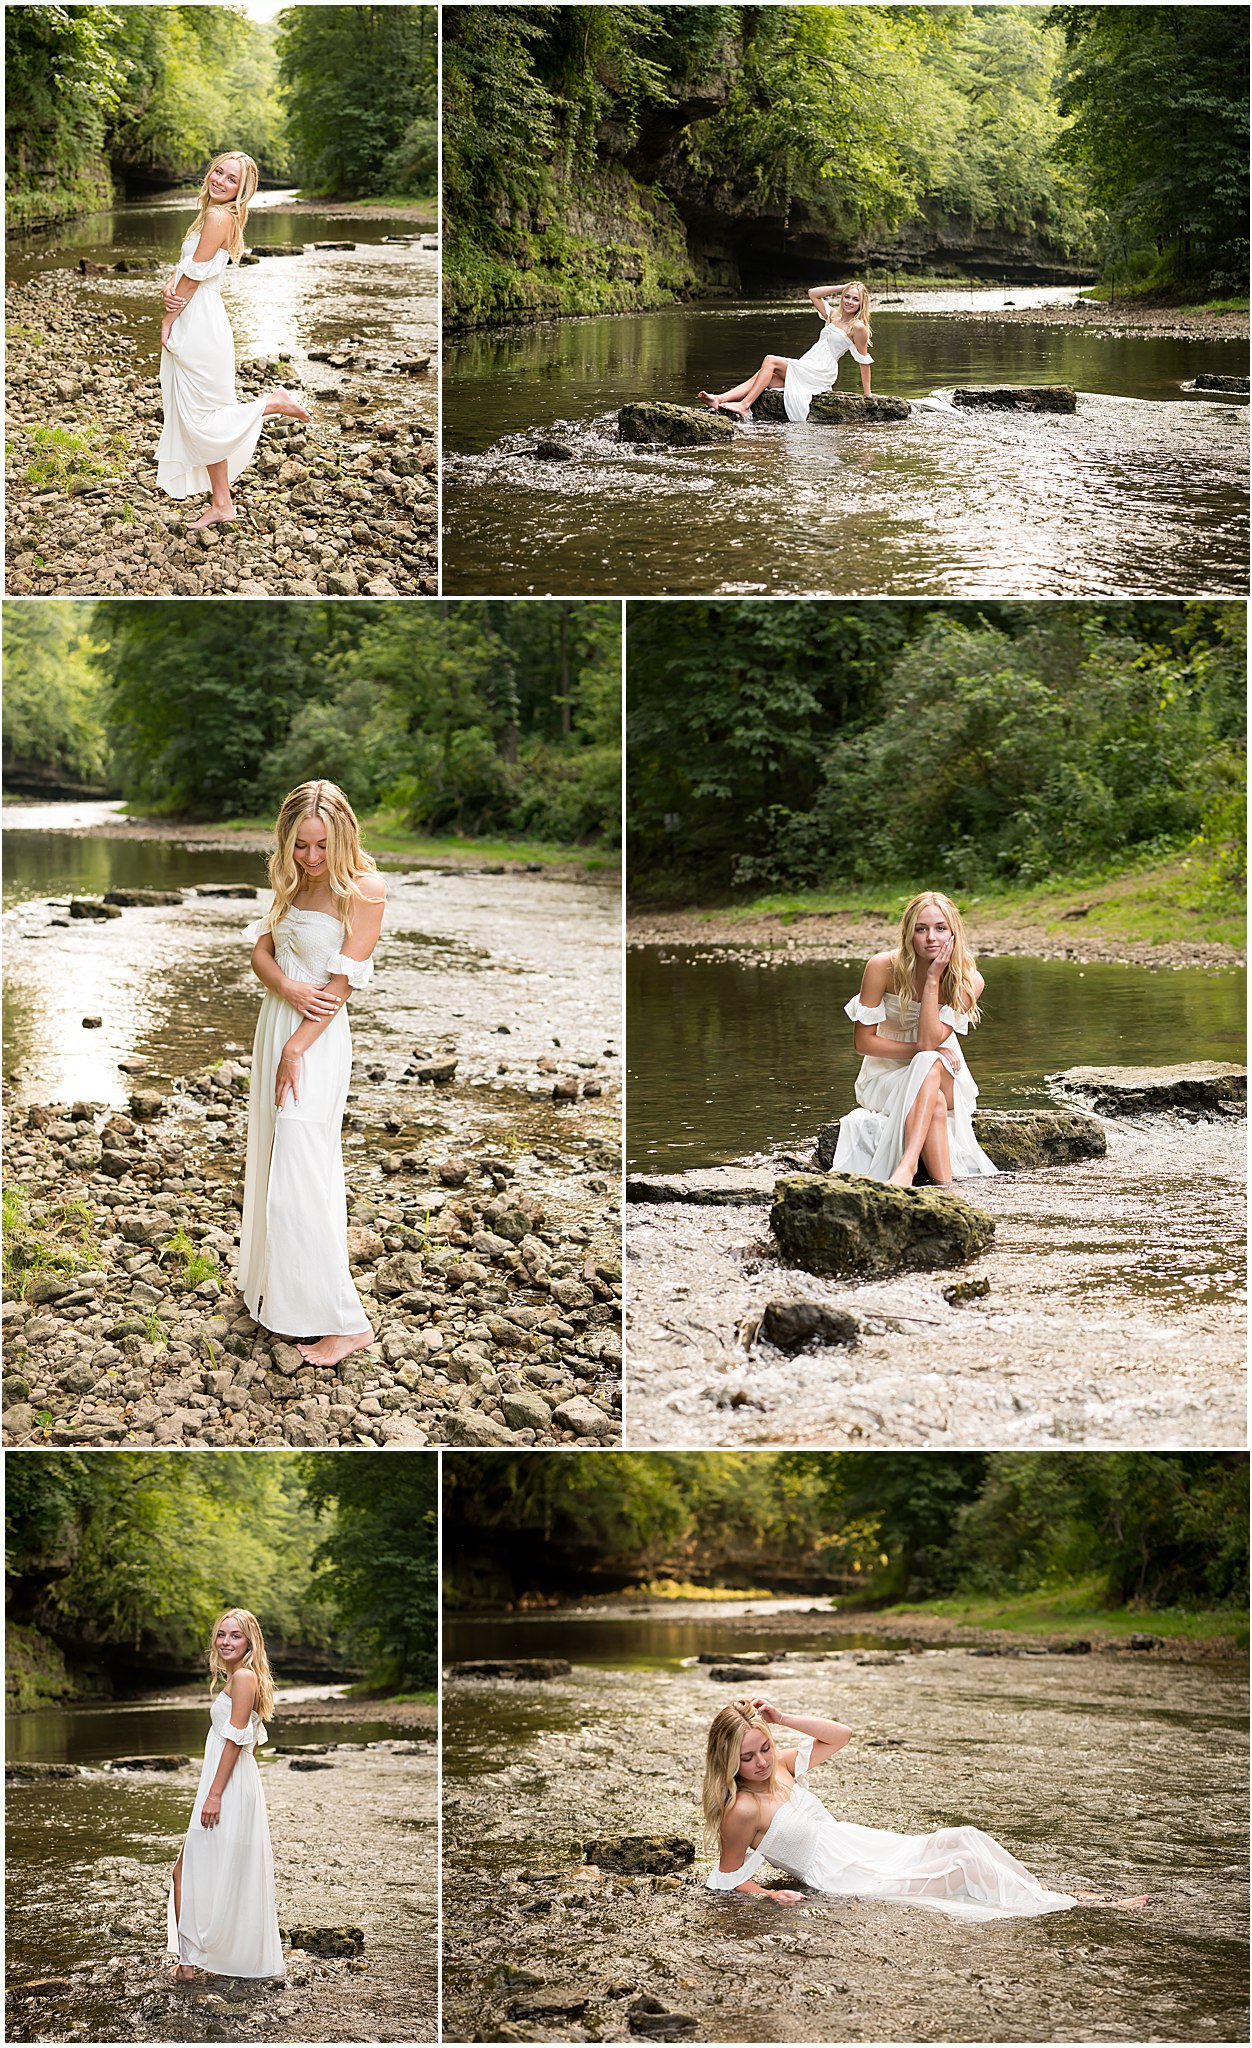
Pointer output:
345, 507
493, 1280
1126, 316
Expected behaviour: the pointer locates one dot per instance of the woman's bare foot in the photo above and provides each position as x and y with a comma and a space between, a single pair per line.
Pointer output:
739, 405
182, 1973
1134, 1905
217, 515
330, 1350
902, 1177
709, 399
290, 408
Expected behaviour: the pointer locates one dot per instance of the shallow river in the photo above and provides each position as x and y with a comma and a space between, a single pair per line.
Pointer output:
1144, 489
88, 1861
1099, 1772
384, 291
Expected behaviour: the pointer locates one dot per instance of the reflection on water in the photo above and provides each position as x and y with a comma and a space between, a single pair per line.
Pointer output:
727, 1061
652, 1643
1144, 489
94, 1735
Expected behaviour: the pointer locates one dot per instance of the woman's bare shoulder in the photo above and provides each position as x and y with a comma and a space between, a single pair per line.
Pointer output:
372, 886
878, 967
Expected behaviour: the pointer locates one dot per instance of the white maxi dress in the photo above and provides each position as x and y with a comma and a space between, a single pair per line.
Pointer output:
204, 421
229, 1921
808, 376
960, 1871
871, 1137
293, 1258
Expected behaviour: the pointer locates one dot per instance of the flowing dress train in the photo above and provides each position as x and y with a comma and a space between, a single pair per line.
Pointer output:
293, 1246
809, 375
228, 1921
871, 1137
960, 1871
204, 421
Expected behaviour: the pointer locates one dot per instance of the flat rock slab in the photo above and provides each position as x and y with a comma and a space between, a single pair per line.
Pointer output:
835, 409
846, 1226
327, 1941
675, 426
1016, 397
1015, 1140
518, 1668
795, 1325
640, 1855
1209, 382
726, 1187
1203, 1088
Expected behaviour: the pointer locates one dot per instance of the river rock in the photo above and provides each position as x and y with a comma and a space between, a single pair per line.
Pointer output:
1140, 1641
640, 1855
1209, 382
739, 1657
434, 1071
962, 1291
851, 1227
795, 1325
18, 1772
327, 1941
518, 1668
835, 409
136, 899
735, 1674
674, 426
1203, 1088
712, 1186
149, 1763
653, 2021
1016, 397
551, 2002
310, 1763
1015, 1140
92, 908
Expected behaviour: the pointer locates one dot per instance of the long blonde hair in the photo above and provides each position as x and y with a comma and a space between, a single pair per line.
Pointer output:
956, 985
345, 859
721, 1765
255, 1659
854, 284
237, 208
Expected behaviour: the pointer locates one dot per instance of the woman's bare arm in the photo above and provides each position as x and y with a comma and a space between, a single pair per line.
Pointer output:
828, 1736
359, 945
242, 1700
738, 1828
819, 295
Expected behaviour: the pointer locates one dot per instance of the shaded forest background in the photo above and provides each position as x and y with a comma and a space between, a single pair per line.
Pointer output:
1130, 1529
118, 1566
798, 746
109, 102
464, 718
597, 159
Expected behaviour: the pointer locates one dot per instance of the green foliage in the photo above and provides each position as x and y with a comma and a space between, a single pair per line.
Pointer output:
45, 1238
68, 461
63, 77
968, 744
1159, 97
194, 1265
196, 80
360, 86
376, 1564
52, 694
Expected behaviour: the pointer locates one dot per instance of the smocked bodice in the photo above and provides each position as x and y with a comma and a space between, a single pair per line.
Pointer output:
307, 946
839, 343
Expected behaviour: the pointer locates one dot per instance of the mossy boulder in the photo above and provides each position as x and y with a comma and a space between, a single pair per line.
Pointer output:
518, 1668
1015, 1140
853, 1228
1016, 397
836, 409
1210, 381
640, 1855
1202, 1088
652, 425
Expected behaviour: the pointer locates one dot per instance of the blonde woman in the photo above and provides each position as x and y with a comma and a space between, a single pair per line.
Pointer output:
758, 1809
209, 436
221, 1915
843, 310
311, 950
915, 1093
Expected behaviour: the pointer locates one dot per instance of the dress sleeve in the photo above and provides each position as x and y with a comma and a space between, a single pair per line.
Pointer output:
861, 1013
245, 1737
855, 353
730, 1880
800, 1758
188, 267
358, 971
256, 930
956, 1020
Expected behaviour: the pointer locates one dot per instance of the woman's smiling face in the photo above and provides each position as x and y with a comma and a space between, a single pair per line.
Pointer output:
230, 1642
224, 178
756, 1757
851, 299
310, 848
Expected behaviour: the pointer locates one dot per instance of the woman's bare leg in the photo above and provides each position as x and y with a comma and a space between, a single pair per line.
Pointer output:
281, 402
917, 1125
221, 511
1106, 1899
771, 375
182, 1973
936, 1154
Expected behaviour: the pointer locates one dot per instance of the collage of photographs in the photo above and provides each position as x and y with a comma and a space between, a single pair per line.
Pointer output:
624, 1101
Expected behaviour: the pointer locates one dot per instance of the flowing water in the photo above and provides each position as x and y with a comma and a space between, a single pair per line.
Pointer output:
384, 290
1101, 1772
1144, 489
88, 1860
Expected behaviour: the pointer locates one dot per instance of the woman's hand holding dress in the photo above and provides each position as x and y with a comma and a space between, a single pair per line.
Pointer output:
211, 1810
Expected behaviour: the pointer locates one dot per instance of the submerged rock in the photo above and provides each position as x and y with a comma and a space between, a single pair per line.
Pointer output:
835, 409
794, 1325
149, 1763
1203, 1088
15, 1773
640, 1855
1015, 1140
735, 1674
1016, 397
326, 1941
1209, 382
717, 1186
847, 1226
674, 426
519, 1668
966, 1290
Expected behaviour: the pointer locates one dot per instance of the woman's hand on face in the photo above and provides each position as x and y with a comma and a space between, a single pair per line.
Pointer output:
312, 1000
288, 1078
211, 1811
766, 1710
935, 967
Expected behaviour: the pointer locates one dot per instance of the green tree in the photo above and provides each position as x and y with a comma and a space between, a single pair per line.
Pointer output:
358, 81
377, 1562
53, 698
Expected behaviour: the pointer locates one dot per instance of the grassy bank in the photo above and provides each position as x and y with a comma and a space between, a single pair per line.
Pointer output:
1078, 1609
384, 832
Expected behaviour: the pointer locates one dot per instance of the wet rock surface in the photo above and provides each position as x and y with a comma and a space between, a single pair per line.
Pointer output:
941, 1739
346, 506
1016, 397
520, 1669
797, 1325
1205, 1088
835, 409
845, 1225
1013, 1139
675, 426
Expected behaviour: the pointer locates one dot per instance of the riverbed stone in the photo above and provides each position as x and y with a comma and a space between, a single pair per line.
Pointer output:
799, 1325
653, 424
149, 1763
836, 409
640, 1855
519, 1669
850, 1227
1200, 1088
712, 1186
1059, 398
327, 1941
1212, 381
1015, 1140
